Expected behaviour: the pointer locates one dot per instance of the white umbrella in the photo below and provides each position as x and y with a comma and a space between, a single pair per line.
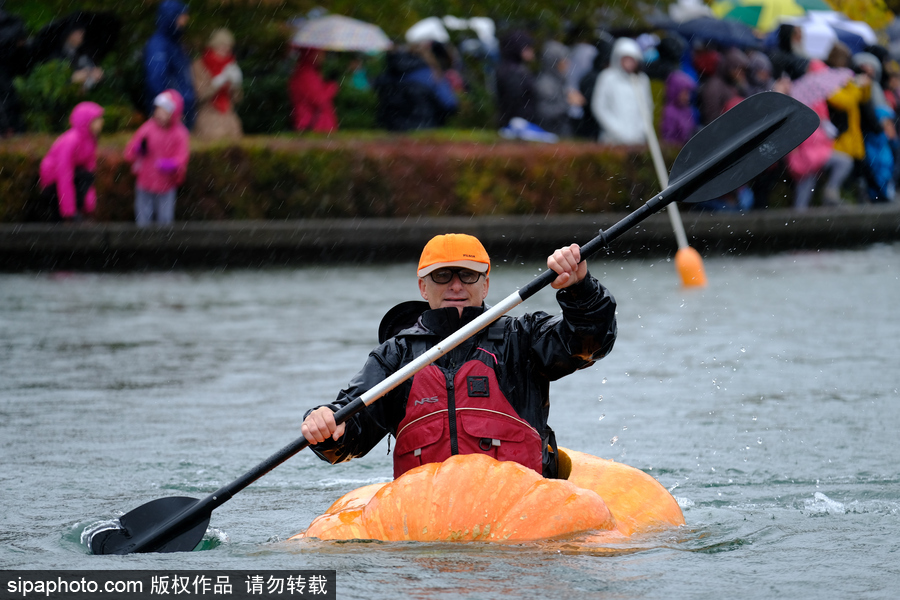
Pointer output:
340, 33
841, 21
428, 30
822, 28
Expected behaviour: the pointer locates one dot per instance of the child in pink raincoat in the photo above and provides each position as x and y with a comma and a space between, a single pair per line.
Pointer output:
159, 151
67, 171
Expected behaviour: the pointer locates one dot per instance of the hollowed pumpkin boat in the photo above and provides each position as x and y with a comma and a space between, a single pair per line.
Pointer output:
476, 498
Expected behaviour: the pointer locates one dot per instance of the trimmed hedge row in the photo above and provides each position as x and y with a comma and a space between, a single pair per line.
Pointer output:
383, 176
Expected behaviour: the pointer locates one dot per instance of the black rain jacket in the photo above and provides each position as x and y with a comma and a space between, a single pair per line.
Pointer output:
536, 348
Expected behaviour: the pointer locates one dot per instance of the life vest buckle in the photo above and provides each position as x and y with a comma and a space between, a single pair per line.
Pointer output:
487, 443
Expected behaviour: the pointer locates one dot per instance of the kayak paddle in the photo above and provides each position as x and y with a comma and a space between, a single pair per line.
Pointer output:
724, 155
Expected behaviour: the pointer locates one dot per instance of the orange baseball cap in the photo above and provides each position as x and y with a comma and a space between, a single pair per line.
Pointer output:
454, 250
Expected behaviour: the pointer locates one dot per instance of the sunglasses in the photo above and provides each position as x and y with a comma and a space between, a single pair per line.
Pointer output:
446, 275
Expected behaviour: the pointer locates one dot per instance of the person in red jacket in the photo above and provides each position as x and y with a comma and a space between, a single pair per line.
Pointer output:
67, 171
311, 96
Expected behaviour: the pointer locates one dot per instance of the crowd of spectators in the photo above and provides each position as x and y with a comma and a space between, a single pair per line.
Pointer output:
596, 88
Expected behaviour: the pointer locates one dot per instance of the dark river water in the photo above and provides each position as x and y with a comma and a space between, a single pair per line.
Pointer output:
767, 403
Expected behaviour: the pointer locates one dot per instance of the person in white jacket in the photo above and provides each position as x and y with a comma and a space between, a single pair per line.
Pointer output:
617, 94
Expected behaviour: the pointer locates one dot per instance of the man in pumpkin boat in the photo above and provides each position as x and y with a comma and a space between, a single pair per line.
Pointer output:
490, 394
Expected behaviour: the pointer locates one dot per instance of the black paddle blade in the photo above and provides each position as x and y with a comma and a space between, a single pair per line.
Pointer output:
741, 144
145, 520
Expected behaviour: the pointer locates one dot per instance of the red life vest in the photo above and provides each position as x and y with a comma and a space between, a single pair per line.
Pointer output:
462, 413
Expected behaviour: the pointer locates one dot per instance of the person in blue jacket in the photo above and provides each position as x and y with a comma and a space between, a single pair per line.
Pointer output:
413, 92
166, 64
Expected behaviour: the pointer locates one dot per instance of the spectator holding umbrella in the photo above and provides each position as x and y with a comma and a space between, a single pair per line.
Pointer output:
312, 98
845, 110
817, 156
166, 65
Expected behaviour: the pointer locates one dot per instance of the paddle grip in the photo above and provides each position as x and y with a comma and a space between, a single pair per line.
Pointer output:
346, 412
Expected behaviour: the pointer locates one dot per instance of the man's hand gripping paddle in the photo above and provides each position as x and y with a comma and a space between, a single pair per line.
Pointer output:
724, 155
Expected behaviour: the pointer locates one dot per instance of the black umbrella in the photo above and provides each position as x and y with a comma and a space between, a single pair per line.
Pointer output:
709, 29
101, 32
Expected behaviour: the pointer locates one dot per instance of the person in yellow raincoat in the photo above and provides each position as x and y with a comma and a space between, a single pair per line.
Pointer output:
846, 114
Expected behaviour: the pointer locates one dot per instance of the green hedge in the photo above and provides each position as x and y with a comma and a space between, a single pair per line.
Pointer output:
370, 175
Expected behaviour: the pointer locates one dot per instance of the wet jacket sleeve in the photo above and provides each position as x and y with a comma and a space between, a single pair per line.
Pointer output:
369, 426
584, 333
131, 152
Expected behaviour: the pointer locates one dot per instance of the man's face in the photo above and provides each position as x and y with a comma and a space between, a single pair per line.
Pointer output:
455, 292
629, 64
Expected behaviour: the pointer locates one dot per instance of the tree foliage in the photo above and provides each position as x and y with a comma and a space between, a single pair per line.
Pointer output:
876, 13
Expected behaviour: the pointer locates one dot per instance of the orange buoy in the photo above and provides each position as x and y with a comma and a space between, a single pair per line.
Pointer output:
690, 266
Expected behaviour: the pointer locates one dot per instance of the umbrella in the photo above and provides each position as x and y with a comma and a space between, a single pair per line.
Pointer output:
843, 23
101, 32
427, 30
816, 86
764, 15
339, 33
822, 28
709, 29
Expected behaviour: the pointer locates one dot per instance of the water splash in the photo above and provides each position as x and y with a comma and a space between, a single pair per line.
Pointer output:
823, 505
213, 538
88, 533
684, 502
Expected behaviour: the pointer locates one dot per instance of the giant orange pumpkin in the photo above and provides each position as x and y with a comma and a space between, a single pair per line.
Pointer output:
638, 502
474, 497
